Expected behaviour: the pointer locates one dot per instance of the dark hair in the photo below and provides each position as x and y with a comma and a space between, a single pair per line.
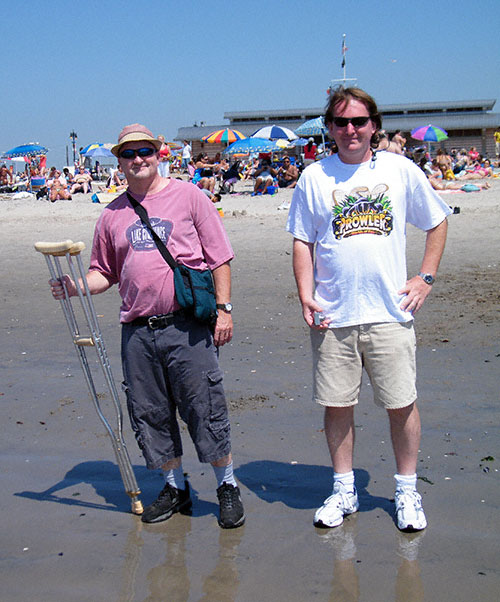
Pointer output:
340, 96
199, 156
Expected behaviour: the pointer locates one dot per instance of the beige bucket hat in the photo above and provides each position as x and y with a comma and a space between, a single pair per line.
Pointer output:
135, 133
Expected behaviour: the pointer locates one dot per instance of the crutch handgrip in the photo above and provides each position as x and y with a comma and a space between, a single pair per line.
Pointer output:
60, 248
84, 341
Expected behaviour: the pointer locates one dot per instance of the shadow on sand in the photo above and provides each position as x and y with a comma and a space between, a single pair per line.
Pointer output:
104, 477
303, 486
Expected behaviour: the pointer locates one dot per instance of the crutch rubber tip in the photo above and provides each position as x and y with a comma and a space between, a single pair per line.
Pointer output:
137, 507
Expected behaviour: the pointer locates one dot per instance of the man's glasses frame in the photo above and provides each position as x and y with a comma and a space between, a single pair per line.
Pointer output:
357, 122
132, 153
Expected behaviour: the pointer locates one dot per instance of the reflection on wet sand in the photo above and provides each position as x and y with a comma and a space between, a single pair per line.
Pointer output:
345, 579
170, 579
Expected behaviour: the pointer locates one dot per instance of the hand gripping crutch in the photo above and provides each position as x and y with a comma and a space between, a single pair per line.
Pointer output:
52, 252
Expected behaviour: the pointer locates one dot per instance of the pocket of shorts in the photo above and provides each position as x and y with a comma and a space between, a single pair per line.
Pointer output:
218, 420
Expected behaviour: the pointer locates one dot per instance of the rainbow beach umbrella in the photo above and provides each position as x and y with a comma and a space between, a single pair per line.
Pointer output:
226, 135
429, 133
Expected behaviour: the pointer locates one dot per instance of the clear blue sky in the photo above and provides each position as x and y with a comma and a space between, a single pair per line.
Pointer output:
94, 66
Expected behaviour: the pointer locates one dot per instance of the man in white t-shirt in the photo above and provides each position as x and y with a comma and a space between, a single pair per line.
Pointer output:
169, 359
348, 218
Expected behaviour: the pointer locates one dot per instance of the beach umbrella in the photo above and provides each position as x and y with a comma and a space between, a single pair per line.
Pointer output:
429, 133
226, 135
274, 132
26, 150
312, 127
98, 152
251, 145
90, 147
282, 143
299, 142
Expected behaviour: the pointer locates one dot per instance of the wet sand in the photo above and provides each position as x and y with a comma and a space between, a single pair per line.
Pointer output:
67, 533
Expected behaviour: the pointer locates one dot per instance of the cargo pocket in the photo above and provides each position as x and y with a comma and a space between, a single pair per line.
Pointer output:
133, 421
218, 420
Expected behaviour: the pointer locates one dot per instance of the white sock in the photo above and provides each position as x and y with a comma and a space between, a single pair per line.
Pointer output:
224, 474
175, 477
346, 479
406, 481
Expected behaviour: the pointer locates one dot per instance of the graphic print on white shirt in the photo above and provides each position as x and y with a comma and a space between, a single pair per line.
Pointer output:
362, 211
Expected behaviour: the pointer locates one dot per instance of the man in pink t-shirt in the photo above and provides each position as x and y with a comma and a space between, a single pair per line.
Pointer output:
169, 359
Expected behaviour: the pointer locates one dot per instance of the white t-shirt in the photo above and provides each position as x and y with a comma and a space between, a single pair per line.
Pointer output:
356, 215
186, 151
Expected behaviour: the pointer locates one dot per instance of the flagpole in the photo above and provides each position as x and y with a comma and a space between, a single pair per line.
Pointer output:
343, 56
344, 79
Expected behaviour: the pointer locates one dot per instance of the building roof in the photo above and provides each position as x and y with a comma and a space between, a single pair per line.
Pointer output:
450, 115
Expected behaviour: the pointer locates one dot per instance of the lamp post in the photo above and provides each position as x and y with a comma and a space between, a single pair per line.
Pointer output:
73, 137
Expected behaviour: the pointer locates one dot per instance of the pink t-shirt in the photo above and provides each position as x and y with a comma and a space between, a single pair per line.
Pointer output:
124, 252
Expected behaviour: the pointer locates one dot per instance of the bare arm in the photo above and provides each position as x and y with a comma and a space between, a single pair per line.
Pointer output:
303, 269
416, 290
224, 326
96, 282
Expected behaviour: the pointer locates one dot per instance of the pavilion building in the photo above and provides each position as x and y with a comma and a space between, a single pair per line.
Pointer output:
468, 123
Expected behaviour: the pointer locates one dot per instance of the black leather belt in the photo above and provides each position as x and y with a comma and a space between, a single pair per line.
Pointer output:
156, 322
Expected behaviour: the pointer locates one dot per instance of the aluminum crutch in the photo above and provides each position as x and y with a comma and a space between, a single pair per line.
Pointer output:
52, 252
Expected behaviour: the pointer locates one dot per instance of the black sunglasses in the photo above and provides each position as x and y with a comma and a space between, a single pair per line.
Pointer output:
132, 153
357, 122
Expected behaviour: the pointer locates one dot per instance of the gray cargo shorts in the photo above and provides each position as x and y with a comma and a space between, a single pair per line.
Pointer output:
169, 369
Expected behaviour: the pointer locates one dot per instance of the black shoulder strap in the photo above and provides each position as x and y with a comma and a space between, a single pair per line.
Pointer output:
143, 214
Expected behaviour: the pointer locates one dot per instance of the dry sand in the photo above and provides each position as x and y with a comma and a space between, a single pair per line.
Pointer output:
67, 533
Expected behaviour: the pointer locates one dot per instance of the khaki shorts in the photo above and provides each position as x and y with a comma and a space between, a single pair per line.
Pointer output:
386, 351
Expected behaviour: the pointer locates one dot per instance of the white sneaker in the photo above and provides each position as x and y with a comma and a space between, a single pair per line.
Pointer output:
409, 511
335, 507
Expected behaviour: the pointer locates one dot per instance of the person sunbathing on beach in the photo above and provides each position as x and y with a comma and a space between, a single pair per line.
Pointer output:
264, 177
288, 174
5, 176
478, 170
81, 181
204, 174
388, 145
440, 184
58, 187
444, 163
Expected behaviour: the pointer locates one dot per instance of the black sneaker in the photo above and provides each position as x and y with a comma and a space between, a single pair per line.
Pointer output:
169, 501
232, 514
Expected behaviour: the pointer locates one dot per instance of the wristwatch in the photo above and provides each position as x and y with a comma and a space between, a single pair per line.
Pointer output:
225, 307
427, 278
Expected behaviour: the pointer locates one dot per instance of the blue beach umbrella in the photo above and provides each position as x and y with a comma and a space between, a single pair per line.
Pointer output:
312, 127
251, 145
99, 151
26, 150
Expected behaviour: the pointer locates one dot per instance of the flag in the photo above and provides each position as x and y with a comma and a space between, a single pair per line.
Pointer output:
344, 49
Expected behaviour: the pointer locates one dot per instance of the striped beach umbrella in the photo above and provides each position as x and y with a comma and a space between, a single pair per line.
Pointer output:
274, 132
90, 147
226, 135
312, 127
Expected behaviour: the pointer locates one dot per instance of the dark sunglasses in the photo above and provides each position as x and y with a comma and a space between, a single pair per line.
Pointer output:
357, 122
132, 153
